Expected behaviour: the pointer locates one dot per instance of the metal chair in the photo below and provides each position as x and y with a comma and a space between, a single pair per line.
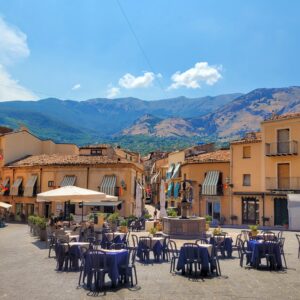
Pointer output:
243, 248
174, 254
129, 269
298, 238
201, 241
236, 246
269, 254
98, 268
145, 242
281, 245
245, 234
269, 236
135, 240
192, 256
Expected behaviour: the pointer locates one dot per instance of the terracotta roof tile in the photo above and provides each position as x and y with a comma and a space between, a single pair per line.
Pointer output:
275, 117
251, 137
215, 156
59, 159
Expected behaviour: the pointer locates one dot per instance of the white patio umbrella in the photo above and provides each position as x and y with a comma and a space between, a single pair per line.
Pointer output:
71, 193
74, 194
162, 197
5, 205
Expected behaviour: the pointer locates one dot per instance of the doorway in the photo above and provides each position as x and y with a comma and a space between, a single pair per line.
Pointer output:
47, 211
213, 209
250, 210
281, 215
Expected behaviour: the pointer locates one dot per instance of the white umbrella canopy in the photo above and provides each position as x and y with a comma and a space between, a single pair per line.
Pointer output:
5, 205
72, 194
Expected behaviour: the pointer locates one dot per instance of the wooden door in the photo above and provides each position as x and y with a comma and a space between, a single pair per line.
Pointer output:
283, 136
283, 176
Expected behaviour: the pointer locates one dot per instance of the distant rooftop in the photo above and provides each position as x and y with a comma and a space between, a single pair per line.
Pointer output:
276, 117
251, 137
64, 160
215, 156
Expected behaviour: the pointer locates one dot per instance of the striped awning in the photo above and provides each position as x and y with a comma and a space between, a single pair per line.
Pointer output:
170, 171
14, 191
108, 184
176, 171
4, 186
68, 180
170, 189
176, 190
210, 183
154, 178
29, 187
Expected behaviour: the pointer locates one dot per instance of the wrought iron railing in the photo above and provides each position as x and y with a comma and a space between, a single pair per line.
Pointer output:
282, 148
283, 183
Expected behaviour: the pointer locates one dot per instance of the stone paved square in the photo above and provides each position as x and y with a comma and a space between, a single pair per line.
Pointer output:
26, 272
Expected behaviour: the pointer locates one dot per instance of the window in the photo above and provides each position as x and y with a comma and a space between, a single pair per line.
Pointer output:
246, 180
246, 152
50, 183
96, 152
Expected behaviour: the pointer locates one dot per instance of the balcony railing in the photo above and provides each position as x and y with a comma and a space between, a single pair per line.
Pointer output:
282, 148
283, 183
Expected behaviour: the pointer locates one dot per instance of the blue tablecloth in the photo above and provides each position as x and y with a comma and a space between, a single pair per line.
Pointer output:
114, 260
65, 256
105, 243
156, 247
204, 255
257, 248
227, 245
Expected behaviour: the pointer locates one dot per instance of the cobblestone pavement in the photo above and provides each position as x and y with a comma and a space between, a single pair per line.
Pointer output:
27, 273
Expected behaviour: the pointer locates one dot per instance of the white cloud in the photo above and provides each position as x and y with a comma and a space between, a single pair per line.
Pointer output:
112, 92
13, 43
13, 46
10, 89
194, 77
76, 87
129, 81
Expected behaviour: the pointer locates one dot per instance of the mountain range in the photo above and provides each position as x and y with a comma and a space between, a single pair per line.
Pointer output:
210, 118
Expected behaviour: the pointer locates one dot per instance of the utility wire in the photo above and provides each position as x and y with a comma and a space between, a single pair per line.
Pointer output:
139, 44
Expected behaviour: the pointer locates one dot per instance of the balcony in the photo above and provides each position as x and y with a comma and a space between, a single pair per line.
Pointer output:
282, 148
283, 183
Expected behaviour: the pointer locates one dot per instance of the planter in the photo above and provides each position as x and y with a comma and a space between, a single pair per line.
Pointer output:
123, 229
43, 234
207, 227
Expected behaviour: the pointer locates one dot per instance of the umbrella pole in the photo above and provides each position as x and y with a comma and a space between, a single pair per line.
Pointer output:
82, 211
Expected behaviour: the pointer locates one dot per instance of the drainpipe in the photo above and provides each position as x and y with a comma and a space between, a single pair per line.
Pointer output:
230, 183
41, 177
263, 199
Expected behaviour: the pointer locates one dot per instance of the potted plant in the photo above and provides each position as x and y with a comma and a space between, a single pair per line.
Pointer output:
113, 220
123, 226
41, 222
254, 230
153, 230
147, 216
208, 220
172, 213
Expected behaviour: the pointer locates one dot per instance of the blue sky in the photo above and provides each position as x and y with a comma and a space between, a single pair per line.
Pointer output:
79, 50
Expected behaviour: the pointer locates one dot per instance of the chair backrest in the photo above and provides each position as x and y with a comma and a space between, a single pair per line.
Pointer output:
146, 242
201, 241
166, 241
98, 259
117, 246
298, 238
245, 234
269, 236
172, 247
131, 255
279, 234
269, 247
239, 236
191, 251
135, 240
281, 242
158, 235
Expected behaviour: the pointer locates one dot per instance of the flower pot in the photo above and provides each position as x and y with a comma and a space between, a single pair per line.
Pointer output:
43, 234
254, 233
123, 229
206, 226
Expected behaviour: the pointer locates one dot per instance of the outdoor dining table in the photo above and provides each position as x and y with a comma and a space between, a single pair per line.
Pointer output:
257, 247
156, 246
205, 255
115, 259
109, 238
227, 245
